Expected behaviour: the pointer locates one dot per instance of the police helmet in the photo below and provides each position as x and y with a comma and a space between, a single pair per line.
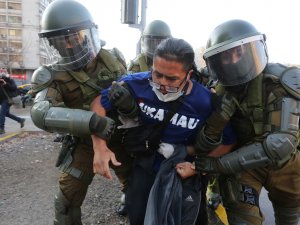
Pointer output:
69, 34
235, 53
153, 34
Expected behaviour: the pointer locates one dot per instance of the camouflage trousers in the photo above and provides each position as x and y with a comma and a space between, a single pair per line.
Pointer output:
74, 182
282, 184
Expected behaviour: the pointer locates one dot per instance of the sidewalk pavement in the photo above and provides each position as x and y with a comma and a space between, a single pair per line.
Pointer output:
12, 128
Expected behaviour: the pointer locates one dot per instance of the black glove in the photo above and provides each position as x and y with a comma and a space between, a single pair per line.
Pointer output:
227, 106
216, 123
25, 99
121, 98
103, 127
205, 164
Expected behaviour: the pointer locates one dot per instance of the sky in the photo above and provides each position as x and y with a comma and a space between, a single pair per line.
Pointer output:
194, 20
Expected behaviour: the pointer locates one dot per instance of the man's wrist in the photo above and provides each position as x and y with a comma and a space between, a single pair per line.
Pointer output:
99, 144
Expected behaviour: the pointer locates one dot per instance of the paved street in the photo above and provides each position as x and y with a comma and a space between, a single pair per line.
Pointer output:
13, 128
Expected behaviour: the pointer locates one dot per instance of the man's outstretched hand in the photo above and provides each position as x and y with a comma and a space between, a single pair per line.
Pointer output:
102, 157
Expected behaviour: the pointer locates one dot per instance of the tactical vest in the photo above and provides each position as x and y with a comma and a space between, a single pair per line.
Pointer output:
259, 112
79, 88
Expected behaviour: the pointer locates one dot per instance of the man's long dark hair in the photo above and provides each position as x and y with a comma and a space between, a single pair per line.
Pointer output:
178, 50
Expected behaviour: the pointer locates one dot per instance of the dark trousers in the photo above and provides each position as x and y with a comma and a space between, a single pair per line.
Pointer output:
4, 112
202, 218
137, 194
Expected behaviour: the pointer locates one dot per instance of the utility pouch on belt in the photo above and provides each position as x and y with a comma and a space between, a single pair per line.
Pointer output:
142, 140
68, 145
145, 139
233, 192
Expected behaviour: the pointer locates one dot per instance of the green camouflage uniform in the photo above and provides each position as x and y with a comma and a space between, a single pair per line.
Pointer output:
140, 64
240, 191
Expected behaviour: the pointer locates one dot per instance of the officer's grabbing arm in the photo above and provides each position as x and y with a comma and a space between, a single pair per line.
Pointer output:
120, 97
274, 150
48, 117
210, 136
24, 99
73, 121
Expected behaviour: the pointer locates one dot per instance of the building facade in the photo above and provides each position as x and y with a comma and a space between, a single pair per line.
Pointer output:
20, 49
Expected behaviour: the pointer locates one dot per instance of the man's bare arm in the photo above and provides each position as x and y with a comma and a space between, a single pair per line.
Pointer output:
102, 154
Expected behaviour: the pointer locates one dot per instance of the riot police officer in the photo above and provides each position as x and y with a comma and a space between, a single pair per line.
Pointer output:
153, 34
64, 91
262, 103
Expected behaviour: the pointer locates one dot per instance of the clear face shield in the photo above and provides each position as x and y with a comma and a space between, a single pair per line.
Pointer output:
149, 44
238, 62
74, 50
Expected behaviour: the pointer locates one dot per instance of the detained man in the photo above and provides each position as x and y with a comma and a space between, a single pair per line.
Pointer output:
165, 95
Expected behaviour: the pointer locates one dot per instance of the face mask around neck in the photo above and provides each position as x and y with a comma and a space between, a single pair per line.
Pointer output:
167, 97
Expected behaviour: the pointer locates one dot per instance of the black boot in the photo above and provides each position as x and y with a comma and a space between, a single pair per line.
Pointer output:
122, 209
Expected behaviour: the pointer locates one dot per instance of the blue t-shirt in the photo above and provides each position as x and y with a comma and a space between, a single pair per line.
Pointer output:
185, 123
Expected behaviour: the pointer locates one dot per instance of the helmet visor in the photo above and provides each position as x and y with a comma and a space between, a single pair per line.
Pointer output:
149, 44
239, 64
72, 51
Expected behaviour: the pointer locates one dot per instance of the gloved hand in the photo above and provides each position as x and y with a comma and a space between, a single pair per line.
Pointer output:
205, 164
216, 123
227, 106
103, 127
121, 98
25, 99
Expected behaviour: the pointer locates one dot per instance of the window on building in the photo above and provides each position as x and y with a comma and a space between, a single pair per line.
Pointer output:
3, 44
16, 58
14, 19
4, 59
3, 49
17, 45
3, 32
3, 18
15, 6
15, 32
2, 5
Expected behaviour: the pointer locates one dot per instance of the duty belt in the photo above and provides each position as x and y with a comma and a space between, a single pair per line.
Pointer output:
65, 158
